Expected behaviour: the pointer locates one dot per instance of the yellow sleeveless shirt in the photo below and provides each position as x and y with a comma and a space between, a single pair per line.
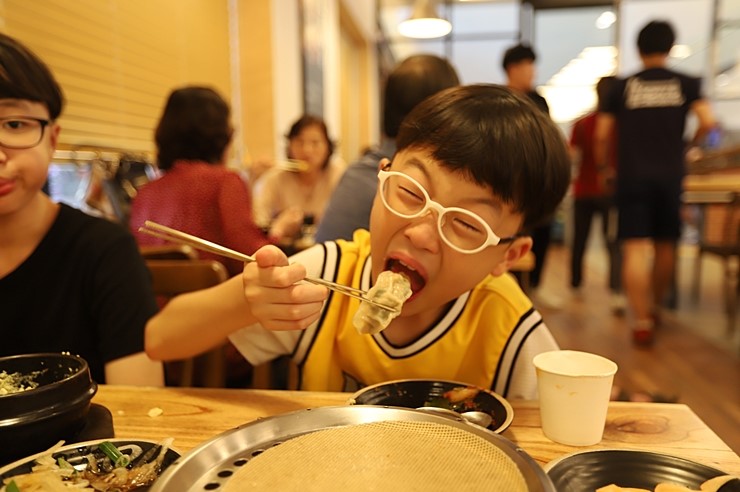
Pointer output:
475, 341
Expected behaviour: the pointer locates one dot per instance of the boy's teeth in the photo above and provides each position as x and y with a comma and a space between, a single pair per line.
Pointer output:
407, 266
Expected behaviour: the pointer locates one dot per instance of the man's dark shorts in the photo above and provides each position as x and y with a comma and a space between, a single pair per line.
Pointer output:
649, 208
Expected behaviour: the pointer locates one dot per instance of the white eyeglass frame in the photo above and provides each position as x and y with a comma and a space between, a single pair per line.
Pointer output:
491, 240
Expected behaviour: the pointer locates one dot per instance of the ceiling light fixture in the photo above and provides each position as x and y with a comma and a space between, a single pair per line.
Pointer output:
424, 22
606, 20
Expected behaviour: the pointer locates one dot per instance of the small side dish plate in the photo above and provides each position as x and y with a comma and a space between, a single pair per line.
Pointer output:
588, 470
415, 393
75, 455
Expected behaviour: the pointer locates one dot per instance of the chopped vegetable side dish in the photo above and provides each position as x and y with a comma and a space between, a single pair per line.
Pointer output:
16, 382
108, 468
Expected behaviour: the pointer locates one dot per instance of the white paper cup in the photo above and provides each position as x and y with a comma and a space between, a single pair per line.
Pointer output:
574, 390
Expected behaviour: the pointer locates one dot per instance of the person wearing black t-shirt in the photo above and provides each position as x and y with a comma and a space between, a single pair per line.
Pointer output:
649, 110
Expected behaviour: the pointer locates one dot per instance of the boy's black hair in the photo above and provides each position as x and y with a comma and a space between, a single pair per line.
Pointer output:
306, 121
657, 37
518, 53
413, 80
24, 76
194, 126
497, 138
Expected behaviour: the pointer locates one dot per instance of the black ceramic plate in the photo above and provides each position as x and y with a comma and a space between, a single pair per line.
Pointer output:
588, 470
74, 454
415, 393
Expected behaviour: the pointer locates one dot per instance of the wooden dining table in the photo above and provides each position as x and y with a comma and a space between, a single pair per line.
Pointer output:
195, 415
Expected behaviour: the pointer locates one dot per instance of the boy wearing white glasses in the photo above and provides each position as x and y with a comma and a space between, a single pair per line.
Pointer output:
476, 167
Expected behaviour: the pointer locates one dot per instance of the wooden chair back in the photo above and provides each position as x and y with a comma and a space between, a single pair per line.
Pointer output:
168, 252
174, 277
719, 235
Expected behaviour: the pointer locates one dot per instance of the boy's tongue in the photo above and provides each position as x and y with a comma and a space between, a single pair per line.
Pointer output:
417, 281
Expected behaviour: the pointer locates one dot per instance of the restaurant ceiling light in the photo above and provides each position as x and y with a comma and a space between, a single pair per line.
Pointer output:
424, 22
606, 20
680, 51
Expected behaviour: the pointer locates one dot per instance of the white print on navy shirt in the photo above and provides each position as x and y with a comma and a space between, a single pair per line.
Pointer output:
653, 93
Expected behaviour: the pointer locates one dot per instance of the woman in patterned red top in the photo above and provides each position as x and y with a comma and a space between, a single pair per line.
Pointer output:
197, 193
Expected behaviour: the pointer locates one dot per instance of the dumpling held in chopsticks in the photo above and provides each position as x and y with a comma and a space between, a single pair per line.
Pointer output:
392, 289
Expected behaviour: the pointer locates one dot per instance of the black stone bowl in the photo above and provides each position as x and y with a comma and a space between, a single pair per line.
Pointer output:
586, 471
34, 420
416, 393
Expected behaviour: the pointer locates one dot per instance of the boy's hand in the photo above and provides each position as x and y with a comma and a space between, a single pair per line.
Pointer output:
276, 295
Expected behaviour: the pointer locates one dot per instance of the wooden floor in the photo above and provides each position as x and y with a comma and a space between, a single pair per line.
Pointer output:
693, 358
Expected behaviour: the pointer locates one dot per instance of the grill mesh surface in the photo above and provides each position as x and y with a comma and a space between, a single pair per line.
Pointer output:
381, 456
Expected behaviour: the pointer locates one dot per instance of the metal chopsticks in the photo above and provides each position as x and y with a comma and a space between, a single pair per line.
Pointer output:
175, 236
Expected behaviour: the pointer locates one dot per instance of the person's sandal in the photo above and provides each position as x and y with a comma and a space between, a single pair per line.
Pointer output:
643, 333
643, 337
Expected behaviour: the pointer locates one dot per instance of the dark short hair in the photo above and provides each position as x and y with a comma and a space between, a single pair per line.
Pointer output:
194, 126
516, 54
308, 120
24, 76
413, 80
604, 87
657, 37
497, 138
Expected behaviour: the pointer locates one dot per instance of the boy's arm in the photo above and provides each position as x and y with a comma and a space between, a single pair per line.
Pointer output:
267, 292
703, 112
195, 322
135, 369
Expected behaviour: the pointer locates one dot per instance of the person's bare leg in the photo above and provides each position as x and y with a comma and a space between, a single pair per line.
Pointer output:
636, 277
664, 266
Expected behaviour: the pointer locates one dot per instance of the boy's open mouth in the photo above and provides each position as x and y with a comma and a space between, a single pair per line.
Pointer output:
415, 279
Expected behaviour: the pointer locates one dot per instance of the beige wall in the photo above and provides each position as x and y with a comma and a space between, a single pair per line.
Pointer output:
118, 59
256, 77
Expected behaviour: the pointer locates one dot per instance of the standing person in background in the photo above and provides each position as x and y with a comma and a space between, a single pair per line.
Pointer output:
593, 196
69, 282
649, 111
412, 81
285, 199
197, 193
519, 66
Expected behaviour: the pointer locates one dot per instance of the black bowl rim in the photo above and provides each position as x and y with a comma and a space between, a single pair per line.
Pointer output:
32, 416
46, 387
634, 454
498, 430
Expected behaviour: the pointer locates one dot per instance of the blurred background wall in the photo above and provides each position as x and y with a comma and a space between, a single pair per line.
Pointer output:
274, 59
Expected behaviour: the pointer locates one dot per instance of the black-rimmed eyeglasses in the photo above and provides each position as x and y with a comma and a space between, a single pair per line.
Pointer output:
21, 132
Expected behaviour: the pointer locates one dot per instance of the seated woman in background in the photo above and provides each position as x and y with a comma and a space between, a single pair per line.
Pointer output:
285, 199
197, 193
69, 282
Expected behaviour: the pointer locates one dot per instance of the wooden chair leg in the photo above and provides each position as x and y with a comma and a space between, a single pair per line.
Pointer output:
262, 376
731, 289
187, 369
525, 281
696, 280
211, 369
